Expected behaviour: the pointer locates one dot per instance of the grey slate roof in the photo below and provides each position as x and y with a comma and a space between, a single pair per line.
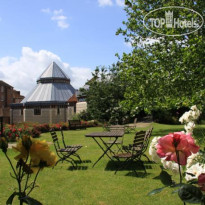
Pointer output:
51, 91
53, 71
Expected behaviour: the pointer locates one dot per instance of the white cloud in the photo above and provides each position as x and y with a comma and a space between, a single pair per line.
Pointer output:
57, 15
46, 10
120, 3
105, 2
58, 12
80, 76
128, 44
22, 73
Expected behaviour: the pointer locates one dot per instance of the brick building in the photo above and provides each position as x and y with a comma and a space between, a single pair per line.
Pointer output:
7, 96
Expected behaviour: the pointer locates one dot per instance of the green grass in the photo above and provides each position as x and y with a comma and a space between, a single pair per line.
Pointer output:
93, 186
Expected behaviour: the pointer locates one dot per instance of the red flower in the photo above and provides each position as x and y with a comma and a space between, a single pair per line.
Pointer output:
176, 142
201, 181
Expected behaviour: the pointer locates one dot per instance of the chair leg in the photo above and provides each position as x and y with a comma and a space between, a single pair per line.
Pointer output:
147, 157
119, 148
66, 158
78, 157
142, 163
60, 160
70, 162
126, 162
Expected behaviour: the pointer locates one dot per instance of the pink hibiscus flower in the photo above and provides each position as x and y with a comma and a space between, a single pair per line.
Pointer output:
176, 142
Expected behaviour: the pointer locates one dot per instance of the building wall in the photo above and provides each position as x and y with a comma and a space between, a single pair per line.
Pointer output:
48, 115
70, 112
17, 97
59, 117
80, 106
7, 96
16, 116
5, 99
44, 117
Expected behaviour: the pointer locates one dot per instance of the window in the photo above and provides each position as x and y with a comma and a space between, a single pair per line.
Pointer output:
58, 110
37, 111
2, 97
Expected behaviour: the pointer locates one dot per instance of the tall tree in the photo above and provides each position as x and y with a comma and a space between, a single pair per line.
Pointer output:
162, 71
104, 94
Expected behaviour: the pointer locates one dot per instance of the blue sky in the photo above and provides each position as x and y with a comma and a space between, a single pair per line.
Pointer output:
79, 35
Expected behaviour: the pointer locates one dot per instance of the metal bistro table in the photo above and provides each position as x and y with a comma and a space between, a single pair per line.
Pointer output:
99, 136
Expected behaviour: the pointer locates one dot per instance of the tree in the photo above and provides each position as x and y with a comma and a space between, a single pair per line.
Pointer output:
104, 94
167, 73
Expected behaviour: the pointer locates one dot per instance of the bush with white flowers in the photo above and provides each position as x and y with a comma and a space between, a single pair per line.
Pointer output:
193, 168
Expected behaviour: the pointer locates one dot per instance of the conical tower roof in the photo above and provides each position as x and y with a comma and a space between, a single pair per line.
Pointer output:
53, 86
53, 71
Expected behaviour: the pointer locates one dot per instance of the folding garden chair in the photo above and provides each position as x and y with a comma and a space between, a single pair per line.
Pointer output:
140, 138
64, 153
136, 151
119, 142
130, 127
69, 146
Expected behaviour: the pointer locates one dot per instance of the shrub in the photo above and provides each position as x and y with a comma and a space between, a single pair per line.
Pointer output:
13, 133
168, 116
76, 117
35, 133
55, 127
64, 125
91, 123
42, 127
84, 115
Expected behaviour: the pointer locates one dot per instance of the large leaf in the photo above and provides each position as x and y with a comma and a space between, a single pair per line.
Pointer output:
155, 191
165, 178
190, 194
10, 199
31, 201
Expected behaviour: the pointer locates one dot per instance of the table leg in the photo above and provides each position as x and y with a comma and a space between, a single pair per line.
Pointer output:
109, 147
104, 151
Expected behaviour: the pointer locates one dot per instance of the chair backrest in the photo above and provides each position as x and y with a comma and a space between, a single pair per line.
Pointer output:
149, 133
55, 140
135, 121
139, 141
147, 138
117, 128
62, 135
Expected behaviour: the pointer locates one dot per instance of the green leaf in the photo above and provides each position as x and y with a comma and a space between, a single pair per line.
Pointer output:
190, 194
165, 178
128, 3
155, 191
203, 200
10, 199
31, 201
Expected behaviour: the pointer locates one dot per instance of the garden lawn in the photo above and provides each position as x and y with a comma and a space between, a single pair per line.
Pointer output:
85, 185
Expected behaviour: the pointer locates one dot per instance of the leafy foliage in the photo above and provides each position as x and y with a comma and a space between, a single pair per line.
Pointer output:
162, 71
104, 95
190, 194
